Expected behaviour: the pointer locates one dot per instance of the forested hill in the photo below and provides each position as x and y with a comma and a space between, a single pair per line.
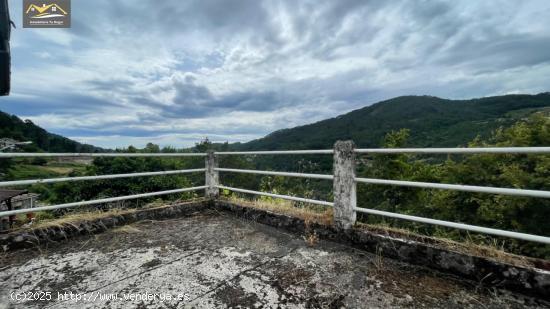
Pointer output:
13, 127
433, 122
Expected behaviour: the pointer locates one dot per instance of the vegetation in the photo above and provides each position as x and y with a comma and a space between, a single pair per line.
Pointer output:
65, 192
27, 169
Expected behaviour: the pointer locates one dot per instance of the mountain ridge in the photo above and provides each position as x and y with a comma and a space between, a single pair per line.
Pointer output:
433, 121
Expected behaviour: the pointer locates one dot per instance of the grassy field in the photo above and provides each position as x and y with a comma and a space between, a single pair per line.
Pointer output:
50, 170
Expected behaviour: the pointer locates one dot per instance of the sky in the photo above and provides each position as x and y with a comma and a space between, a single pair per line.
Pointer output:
129, 72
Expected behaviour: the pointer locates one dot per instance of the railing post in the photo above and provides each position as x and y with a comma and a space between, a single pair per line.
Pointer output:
344, 186
212, 178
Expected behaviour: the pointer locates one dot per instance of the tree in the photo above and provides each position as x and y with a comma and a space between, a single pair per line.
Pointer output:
204, 145
151, 148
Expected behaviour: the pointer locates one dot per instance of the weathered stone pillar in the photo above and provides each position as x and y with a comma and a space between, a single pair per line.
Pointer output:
344, 187
212, 177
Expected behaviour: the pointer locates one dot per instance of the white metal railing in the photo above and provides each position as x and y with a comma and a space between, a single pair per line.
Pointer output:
98, 177
472, 150
276, 152
98, 154
495, 150
341, 182
478, 189
426, 185
460, 226
300, 175
285, 197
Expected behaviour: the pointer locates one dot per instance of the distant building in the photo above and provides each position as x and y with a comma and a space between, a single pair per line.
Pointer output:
24, 201
12, 200
7, 144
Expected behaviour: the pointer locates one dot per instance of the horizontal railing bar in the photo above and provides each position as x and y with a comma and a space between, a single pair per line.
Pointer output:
501, 150
473, 228
479, 189
286, 197
97, 177
302, 175
113, 154
100, 201
276, 152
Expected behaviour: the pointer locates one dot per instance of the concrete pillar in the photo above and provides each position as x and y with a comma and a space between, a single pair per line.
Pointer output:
212, 177
344, 187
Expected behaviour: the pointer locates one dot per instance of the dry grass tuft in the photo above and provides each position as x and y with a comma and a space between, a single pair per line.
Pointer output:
378, 261
309, 213
311, 239
493, 251
127, 229
75, 218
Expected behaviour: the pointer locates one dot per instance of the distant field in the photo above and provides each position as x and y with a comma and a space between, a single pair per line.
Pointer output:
59, 170
28, 171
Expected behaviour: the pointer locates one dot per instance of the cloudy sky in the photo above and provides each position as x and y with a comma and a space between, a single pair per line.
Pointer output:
173, 72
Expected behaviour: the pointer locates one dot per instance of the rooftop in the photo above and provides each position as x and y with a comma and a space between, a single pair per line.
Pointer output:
215, 259
8, 194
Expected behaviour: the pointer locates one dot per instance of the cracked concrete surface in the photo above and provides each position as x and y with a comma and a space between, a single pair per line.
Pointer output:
214, 260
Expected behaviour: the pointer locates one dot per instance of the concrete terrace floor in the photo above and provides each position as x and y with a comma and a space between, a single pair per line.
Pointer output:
216, 260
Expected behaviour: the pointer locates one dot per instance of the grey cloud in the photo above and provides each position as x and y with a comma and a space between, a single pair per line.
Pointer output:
177, 17
193, 101
110, 84
499, 52
266, 57
59, 104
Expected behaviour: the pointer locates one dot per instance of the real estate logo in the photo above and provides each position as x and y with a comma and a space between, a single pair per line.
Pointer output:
46, 13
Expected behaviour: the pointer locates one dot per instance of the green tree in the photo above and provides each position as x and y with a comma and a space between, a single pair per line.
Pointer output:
395, 167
